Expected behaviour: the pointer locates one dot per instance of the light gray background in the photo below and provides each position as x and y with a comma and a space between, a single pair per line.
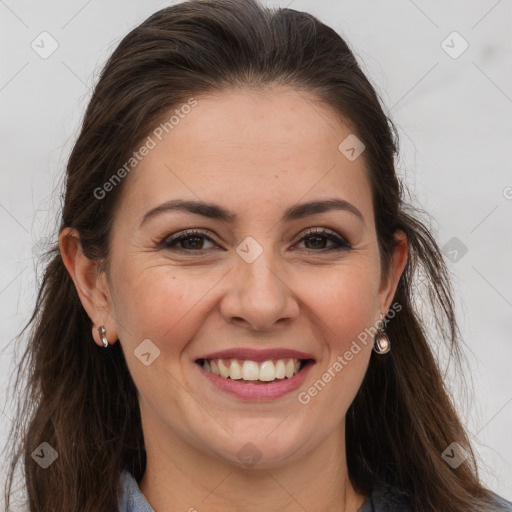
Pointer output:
454, 117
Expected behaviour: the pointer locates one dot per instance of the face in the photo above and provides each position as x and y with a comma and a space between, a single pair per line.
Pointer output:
261, 280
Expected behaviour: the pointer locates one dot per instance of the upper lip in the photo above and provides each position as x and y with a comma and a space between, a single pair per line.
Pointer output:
257, 355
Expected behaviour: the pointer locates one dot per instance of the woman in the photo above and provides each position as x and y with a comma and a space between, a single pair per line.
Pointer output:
229, 320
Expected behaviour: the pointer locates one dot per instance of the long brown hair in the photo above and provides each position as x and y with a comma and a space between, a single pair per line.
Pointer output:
80, 398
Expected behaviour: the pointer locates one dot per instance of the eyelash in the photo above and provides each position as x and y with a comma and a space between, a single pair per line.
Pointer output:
171, 242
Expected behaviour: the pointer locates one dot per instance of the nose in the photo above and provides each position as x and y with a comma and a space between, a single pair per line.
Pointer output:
258, 296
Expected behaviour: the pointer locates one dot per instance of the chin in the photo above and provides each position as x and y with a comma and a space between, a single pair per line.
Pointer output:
258, 452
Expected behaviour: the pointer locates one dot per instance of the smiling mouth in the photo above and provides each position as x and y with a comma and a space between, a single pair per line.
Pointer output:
252, 372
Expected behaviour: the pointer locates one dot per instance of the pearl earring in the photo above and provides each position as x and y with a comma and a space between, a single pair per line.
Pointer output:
104, 339
381, 343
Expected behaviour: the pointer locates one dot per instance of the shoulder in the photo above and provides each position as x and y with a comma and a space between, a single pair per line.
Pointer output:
388, 498
500, 504
131, 498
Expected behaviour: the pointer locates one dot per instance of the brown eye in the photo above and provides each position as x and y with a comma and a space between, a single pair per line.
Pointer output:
188, 241
318, 240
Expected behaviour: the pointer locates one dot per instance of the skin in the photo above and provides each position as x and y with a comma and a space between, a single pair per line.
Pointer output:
255, 153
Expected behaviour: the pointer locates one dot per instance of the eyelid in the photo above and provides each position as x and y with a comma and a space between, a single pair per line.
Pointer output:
180, 235
320, 230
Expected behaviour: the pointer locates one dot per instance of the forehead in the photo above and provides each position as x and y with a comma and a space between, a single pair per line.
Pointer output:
249, 148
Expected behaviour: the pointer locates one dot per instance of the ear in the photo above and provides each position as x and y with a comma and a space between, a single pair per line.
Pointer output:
91, 285
396, 267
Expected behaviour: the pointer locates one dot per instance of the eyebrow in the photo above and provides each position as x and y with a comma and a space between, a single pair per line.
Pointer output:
215, 211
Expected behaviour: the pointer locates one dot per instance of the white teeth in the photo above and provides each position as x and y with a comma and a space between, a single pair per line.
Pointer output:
266, 371
290, 366
280, 369
214, 367
235, 370
250, 370
224, 370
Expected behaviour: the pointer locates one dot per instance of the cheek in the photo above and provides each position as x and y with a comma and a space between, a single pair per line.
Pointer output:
344, 306
162, 303
345, 300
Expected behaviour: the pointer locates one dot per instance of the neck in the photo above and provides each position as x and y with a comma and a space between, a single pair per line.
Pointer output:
180, 477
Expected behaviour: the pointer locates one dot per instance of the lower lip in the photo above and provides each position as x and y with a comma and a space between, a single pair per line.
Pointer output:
257, 392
